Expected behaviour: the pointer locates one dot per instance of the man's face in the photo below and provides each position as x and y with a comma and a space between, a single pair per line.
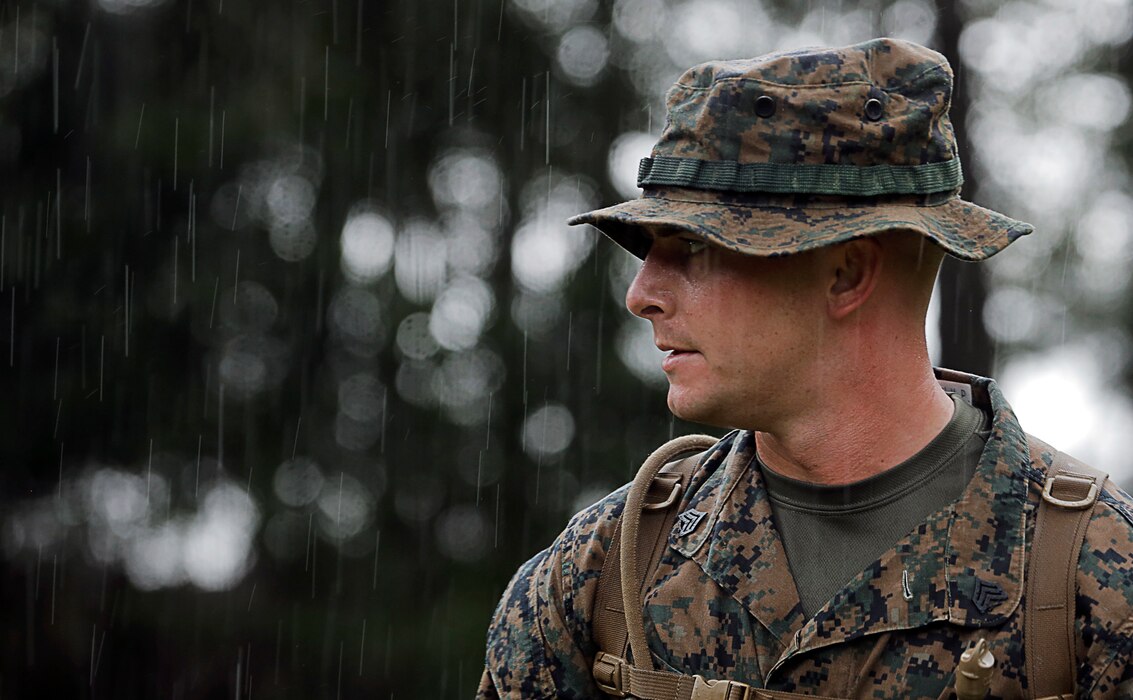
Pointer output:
741, 330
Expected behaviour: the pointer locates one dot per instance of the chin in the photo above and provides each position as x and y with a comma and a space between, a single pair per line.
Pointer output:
687, 406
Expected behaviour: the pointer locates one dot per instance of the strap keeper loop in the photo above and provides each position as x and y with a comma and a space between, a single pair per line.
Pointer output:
1075, 483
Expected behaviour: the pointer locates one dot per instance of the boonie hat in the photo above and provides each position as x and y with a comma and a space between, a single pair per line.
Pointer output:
792, 151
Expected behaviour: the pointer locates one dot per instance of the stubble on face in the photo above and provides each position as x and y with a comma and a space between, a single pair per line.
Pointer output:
748, 325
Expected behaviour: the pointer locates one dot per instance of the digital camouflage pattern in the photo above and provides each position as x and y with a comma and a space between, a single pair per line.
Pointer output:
792, 151
723, 603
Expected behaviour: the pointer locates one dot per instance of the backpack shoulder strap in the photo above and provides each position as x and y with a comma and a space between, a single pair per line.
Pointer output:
657, 516
640, 537
1070, 494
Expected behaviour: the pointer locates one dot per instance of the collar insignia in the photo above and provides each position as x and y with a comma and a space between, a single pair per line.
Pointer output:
986, 595
688, 520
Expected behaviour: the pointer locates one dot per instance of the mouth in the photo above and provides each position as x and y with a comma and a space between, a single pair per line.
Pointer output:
676, 356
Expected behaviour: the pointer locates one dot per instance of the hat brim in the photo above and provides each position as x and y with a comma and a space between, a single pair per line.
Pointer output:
965, 230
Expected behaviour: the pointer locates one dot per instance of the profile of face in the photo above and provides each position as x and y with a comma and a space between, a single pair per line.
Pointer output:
740, 330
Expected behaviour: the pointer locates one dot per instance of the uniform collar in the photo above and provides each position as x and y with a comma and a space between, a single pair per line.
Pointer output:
963, 564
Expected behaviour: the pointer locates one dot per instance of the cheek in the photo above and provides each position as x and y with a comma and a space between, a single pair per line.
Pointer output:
748, 325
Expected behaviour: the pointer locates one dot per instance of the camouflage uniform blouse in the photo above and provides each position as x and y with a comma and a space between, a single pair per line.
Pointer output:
724, 605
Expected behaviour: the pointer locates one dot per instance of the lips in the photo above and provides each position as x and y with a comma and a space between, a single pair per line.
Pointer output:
677, 356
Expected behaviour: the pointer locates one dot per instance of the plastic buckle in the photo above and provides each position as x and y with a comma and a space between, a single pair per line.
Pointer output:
704, 689
610, 665
1081, 503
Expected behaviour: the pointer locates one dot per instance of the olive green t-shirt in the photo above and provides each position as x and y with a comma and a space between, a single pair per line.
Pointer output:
831, 533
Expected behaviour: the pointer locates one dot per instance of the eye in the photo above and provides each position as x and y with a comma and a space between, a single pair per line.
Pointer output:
694, 245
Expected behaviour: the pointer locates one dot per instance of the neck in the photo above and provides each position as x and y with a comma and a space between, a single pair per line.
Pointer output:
871, 419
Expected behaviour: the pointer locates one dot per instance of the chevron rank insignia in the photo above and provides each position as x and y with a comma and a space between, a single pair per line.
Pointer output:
688, 520
986, 595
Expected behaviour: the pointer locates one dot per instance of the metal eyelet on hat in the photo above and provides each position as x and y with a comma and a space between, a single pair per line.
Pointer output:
764, 106
873, 109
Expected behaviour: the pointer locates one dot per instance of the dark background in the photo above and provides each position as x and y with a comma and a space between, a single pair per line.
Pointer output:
230, 467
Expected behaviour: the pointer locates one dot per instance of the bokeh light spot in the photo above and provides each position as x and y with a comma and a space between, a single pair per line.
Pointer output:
465, 178
367, 246
582, 55
420, 261
547, 431
621, 166
218, 541
290, 200
639, 354
298, 481
639, 20
461, 313
462, 534
346, 507
293, 243
414, 339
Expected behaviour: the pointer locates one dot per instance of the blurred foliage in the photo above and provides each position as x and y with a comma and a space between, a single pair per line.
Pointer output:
162, 112
207, 263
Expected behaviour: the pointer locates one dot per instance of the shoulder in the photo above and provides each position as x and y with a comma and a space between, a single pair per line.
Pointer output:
1105, 589
539, 642
1117, 505
1106, 559
1106, 562
563, 578
1112, 519
589, 536
1104, 597
584, 545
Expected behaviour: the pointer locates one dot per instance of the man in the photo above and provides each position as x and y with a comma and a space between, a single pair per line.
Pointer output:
871, 518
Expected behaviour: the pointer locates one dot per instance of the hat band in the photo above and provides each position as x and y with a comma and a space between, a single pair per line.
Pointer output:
800, 178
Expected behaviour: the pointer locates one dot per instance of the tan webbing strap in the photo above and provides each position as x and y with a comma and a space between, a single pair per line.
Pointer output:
631, 524
609, 626
664, 492
647, 520
620, 679
1070, 495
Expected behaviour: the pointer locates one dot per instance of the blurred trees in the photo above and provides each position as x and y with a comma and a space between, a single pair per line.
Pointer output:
302, 360
201, 294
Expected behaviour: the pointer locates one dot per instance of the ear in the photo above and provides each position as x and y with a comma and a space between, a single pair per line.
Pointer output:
854, 272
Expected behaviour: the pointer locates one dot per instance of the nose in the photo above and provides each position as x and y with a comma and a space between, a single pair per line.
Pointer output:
649, 295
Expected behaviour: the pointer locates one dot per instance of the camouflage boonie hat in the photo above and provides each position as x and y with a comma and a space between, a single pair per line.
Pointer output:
792, 151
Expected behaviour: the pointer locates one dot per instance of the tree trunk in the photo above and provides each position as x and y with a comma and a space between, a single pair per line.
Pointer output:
964, 340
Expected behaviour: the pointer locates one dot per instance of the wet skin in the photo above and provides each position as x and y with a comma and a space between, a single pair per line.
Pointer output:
740, 329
